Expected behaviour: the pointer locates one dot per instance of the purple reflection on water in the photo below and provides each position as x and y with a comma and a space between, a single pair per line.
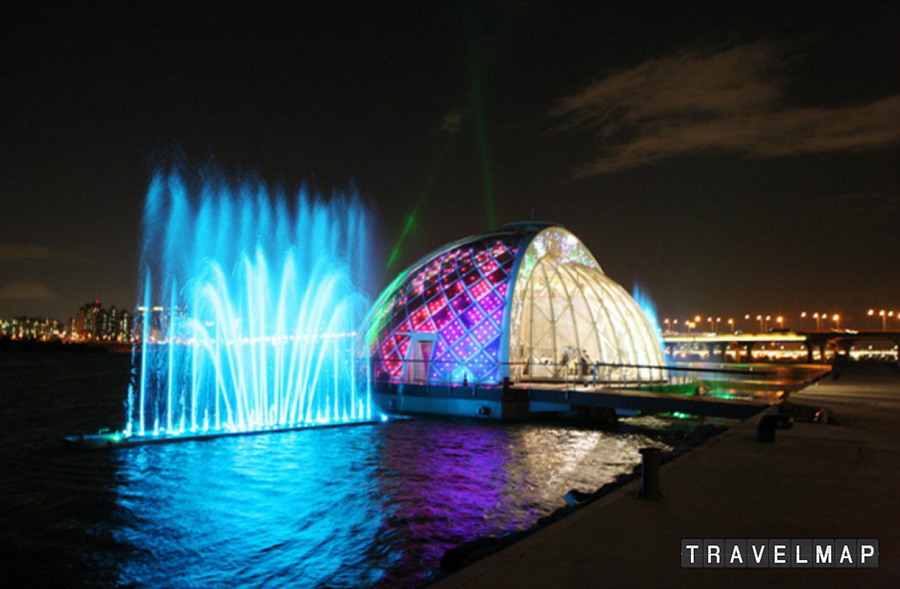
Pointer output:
360, 506
446, 488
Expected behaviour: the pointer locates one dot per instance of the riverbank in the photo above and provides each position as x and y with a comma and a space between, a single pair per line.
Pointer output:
8, 345
816, 481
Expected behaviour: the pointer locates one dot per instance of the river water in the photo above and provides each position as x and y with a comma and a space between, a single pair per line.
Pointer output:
374, 505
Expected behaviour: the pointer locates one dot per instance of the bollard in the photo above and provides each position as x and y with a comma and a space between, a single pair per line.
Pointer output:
650, 474
767, 424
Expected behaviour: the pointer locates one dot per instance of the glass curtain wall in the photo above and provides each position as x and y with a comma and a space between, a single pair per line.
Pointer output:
571, 322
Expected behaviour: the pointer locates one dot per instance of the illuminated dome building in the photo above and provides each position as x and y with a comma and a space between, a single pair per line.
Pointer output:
528, 303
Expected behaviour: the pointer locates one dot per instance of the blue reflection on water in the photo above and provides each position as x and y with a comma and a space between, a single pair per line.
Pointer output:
280, 509
373, 505
361, 506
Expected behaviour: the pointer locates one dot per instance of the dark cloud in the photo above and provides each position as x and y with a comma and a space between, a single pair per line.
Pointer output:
729, 100
451, 122
11, 252
25, 290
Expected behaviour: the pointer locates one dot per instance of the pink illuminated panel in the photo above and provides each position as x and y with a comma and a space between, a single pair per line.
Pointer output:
459, 299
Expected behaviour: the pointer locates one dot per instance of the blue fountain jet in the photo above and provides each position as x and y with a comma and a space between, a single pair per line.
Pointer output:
249, 309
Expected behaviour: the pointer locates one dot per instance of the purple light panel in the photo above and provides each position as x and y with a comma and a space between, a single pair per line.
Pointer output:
460, 298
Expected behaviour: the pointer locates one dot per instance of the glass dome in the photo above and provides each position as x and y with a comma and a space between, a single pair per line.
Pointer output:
568, 316
529, 302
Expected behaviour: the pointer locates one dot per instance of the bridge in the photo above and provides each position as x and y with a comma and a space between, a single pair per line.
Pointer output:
817, 343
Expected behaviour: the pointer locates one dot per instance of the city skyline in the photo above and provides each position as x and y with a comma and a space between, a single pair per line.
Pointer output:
868, 320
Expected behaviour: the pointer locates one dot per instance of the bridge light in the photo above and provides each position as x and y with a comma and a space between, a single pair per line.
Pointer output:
871, 312
803, 315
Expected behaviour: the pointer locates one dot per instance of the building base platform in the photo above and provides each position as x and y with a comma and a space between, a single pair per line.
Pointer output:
526, 401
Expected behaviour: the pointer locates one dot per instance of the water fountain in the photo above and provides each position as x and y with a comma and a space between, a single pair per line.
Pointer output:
248, 311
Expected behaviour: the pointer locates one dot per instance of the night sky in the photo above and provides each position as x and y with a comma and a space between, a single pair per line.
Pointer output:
731, 159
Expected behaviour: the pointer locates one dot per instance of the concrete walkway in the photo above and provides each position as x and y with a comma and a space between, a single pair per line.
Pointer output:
816, 481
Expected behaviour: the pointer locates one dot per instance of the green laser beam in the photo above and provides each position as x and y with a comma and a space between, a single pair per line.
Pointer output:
412, 216
477, 75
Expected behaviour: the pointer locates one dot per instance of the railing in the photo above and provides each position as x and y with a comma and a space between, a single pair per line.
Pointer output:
670, 378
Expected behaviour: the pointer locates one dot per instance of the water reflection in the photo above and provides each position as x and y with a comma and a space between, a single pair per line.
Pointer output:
360, 506
370, 505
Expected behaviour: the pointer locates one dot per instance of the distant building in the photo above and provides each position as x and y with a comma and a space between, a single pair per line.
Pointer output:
31, 328
93, 323
158, 320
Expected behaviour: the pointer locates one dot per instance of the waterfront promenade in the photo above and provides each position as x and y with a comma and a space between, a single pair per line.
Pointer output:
816, 481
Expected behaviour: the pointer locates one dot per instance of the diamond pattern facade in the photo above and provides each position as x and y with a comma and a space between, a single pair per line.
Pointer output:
453, 306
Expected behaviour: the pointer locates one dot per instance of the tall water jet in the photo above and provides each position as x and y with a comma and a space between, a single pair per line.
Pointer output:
648, 307
248, 309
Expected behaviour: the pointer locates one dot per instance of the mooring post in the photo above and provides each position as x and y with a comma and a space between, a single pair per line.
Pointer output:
767, 424
650, 474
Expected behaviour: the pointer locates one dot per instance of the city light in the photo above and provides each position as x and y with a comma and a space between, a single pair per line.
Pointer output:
97, 325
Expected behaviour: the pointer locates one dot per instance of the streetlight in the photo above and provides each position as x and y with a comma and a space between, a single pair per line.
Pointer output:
731, 325
780, 321
883, 320
760, 319
837, 321
712, 327
816, 317
768, 318
666, 321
